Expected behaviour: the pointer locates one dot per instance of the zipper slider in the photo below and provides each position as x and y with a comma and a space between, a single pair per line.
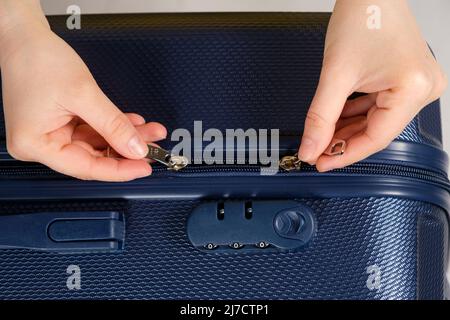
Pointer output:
290, 163
162, 156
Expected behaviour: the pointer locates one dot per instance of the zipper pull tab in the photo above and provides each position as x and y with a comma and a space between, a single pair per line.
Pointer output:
336, 147
290, 163
162, 156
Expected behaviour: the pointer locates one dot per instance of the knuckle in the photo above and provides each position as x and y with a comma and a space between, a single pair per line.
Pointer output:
429, 84
118, 125
84, 85
89, 173
86, 176
418, 81
18, 146
383, 144
377, 143
334, 60
314, 119
84, 173
441, 84
338, 68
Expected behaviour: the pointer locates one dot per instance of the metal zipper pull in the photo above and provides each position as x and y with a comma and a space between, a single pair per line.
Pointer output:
290, 163
162, 156
336, 147
158, 154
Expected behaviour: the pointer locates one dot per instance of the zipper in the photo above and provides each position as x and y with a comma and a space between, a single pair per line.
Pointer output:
386, 169
306, 169
170, 165
164, 157
288, 163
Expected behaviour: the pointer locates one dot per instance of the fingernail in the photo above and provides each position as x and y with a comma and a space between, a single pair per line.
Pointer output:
307, 149
136, 147
162, 132
163, 135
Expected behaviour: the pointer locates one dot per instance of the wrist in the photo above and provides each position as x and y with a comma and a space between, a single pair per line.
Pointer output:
19, 21
354, 5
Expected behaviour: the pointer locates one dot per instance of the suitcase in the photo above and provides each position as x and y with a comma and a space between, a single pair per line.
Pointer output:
377, 229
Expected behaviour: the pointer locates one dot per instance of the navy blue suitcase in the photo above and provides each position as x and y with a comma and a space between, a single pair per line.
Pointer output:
375, 230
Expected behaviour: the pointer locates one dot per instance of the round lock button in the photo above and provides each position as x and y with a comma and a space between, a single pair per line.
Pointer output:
288, 223
295, 223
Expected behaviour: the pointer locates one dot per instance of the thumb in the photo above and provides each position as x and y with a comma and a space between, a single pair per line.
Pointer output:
114, 126
326, 107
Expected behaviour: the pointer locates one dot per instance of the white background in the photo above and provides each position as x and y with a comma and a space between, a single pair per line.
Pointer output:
433, 16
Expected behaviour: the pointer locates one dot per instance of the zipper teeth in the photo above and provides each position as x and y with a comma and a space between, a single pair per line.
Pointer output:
358, 168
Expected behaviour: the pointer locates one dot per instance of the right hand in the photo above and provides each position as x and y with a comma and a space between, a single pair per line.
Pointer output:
393, 65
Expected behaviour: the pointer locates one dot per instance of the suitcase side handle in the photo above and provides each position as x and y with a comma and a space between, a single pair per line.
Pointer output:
63, 232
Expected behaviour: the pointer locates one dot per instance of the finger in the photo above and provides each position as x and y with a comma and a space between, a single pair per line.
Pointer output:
152, 131
62, 135
343, 122
111, 153
351, 129
359, 106
345, 125
86, 146
331, 94
385, 121
74, 160
135, 119
347, 128
113, 125
85, 132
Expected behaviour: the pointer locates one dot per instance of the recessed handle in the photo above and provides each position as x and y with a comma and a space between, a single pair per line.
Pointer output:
63, 231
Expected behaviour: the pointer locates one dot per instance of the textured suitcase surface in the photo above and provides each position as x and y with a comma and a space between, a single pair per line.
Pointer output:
230, 71
159, 262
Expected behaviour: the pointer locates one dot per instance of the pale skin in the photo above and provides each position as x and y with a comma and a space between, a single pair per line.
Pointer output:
56, 114
393, 64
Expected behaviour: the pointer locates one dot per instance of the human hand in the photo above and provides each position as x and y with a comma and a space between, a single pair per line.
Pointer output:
392, 64
55, 112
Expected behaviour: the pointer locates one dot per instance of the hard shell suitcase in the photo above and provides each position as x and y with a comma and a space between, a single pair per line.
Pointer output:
377, 229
